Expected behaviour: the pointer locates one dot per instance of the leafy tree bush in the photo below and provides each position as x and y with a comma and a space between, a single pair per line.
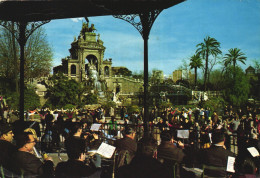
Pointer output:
165, 104
236, 85
31, 100
69, 107
123, 71
133, 108
12, 100
215, 104
90, 99
38, 55
62, 91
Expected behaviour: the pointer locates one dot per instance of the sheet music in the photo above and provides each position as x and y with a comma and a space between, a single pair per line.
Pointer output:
183, 133
95, 127
210, 137
253, 151
230, 164
106, 150
219, 127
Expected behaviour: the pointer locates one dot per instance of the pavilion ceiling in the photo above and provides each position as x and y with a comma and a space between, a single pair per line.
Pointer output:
21, 10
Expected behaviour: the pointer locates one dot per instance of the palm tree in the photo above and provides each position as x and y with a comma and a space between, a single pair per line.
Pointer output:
210, 46
233, 57
195, 63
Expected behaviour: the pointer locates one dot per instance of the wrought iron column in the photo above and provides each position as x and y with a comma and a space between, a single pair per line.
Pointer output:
22, 41
143, 25
22, 31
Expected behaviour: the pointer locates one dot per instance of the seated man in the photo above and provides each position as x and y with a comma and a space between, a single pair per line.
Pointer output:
27, 162
75, 166
76, 133
6, 147
144, 164
125, 147
128, 142
248, 168
169, 153
216, 155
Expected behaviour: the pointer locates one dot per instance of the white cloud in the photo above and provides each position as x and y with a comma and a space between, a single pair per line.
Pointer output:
76, 19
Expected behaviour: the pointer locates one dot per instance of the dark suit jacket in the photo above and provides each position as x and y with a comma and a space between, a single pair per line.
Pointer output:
31, 165
126, 143
143, 167
169, 154
73, 169
7, 150
215, 156
168, 150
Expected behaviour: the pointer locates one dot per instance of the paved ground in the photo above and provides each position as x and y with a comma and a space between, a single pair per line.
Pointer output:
58, 158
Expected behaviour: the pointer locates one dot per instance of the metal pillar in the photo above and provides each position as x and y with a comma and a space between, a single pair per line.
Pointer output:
143, 25
22, 31
22, 41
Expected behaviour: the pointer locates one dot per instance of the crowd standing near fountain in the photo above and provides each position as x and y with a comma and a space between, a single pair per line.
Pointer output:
240, 129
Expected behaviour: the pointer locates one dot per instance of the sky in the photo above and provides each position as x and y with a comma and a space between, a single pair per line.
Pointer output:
173, 37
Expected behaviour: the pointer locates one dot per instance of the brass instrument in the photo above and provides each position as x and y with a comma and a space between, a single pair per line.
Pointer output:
36, 153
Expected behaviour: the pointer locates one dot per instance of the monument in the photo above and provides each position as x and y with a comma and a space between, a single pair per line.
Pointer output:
86, 64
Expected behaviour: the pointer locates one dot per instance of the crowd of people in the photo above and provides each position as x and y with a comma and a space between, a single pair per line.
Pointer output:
161, 153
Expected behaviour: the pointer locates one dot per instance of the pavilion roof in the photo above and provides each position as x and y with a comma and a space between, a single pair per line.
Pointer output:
40, 10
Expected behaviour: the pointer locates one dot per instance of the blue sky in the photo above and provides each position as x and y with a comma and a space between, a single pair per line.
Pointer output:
174, 35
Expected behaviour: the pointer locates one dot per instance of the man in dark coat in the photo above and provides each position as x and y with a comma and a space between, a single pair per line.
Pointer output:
6, 147
216, 155
48, 119
75, 166
169, 153
128, 142
25, 160
144, 164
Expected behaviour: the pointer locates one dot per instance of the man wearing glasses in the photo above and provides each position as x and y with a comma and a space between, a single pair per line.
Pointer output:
6, 147
26, 161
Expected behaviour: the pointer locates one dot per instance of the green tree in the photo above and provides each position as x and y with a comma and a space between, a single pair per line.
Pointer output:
83, 89
157, 77
195, 63
233, 57
8, 58
61, 91
123, 71
212, 62
133, 108
256, 64
31, 99
210, 46
91, 99
38, 56
236, 86
216, 80
138, 75
215, 104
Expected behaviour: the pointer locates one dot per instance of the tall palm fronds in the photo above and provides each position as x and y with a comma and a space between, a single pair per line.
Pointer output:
210, 46
233, 57
195, 63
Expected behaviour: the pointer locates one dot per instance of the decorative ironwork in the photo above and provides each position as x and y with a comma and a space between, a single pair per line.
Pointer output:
15, 28
142, 22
